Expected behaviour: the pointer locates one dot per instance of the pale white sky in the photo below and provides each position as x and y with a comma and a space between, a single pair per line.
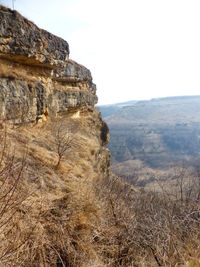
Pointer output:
135, 49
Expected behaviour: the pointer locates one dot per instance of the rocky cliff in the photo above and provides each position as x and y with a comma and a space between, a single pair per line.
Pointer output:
37, 77
47, 108
38, 81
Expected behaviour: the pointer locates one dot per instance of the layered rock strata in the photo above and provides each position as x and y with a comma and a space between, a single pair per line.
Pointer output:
51, 100
37, 79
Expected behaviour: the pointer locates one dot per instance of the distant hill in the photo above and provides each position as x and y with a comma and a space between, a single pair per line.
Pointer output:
159, 132
108, 110
171, 109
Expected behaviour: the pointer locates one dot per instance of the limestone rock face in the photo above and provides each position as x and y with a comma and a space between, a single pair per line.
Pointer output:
25, 101
22, 40
38, 81
73, 72
36, 75
18, 101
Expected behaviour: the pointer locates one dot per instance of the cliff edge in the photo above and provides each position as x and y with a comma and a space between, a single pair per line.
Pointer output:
52, 141
37, 77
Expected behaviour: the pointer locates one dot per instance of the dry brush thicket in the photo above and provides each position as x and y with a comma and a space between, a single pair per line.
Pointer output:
47, 214
148, 228
49, 217
13, 194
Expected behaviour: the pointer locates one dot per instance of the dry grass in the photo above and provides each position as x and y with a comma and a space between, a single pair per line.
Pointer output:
148, 229
60, 212
72, 216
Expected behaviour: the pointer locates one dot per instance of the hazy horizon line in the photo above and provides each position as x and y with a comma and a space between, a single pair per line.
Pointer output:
147, 99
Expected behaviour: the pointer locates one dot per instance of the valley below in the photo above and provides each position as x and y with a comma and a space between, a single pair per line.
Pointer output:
154, 140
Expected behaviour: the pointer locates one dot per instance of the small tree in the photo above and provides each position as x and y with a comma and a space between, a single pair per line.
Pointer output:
64, 141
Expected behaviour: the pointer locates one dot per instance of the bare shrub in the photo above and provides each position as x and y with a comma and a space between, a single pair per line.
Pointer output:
12, 196
146, 228
64, 140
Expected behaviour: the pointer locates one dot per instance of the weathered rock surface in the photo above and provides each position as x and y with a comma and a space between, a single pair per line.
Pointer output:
23, 101
22, 40
36, 76
73, 72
